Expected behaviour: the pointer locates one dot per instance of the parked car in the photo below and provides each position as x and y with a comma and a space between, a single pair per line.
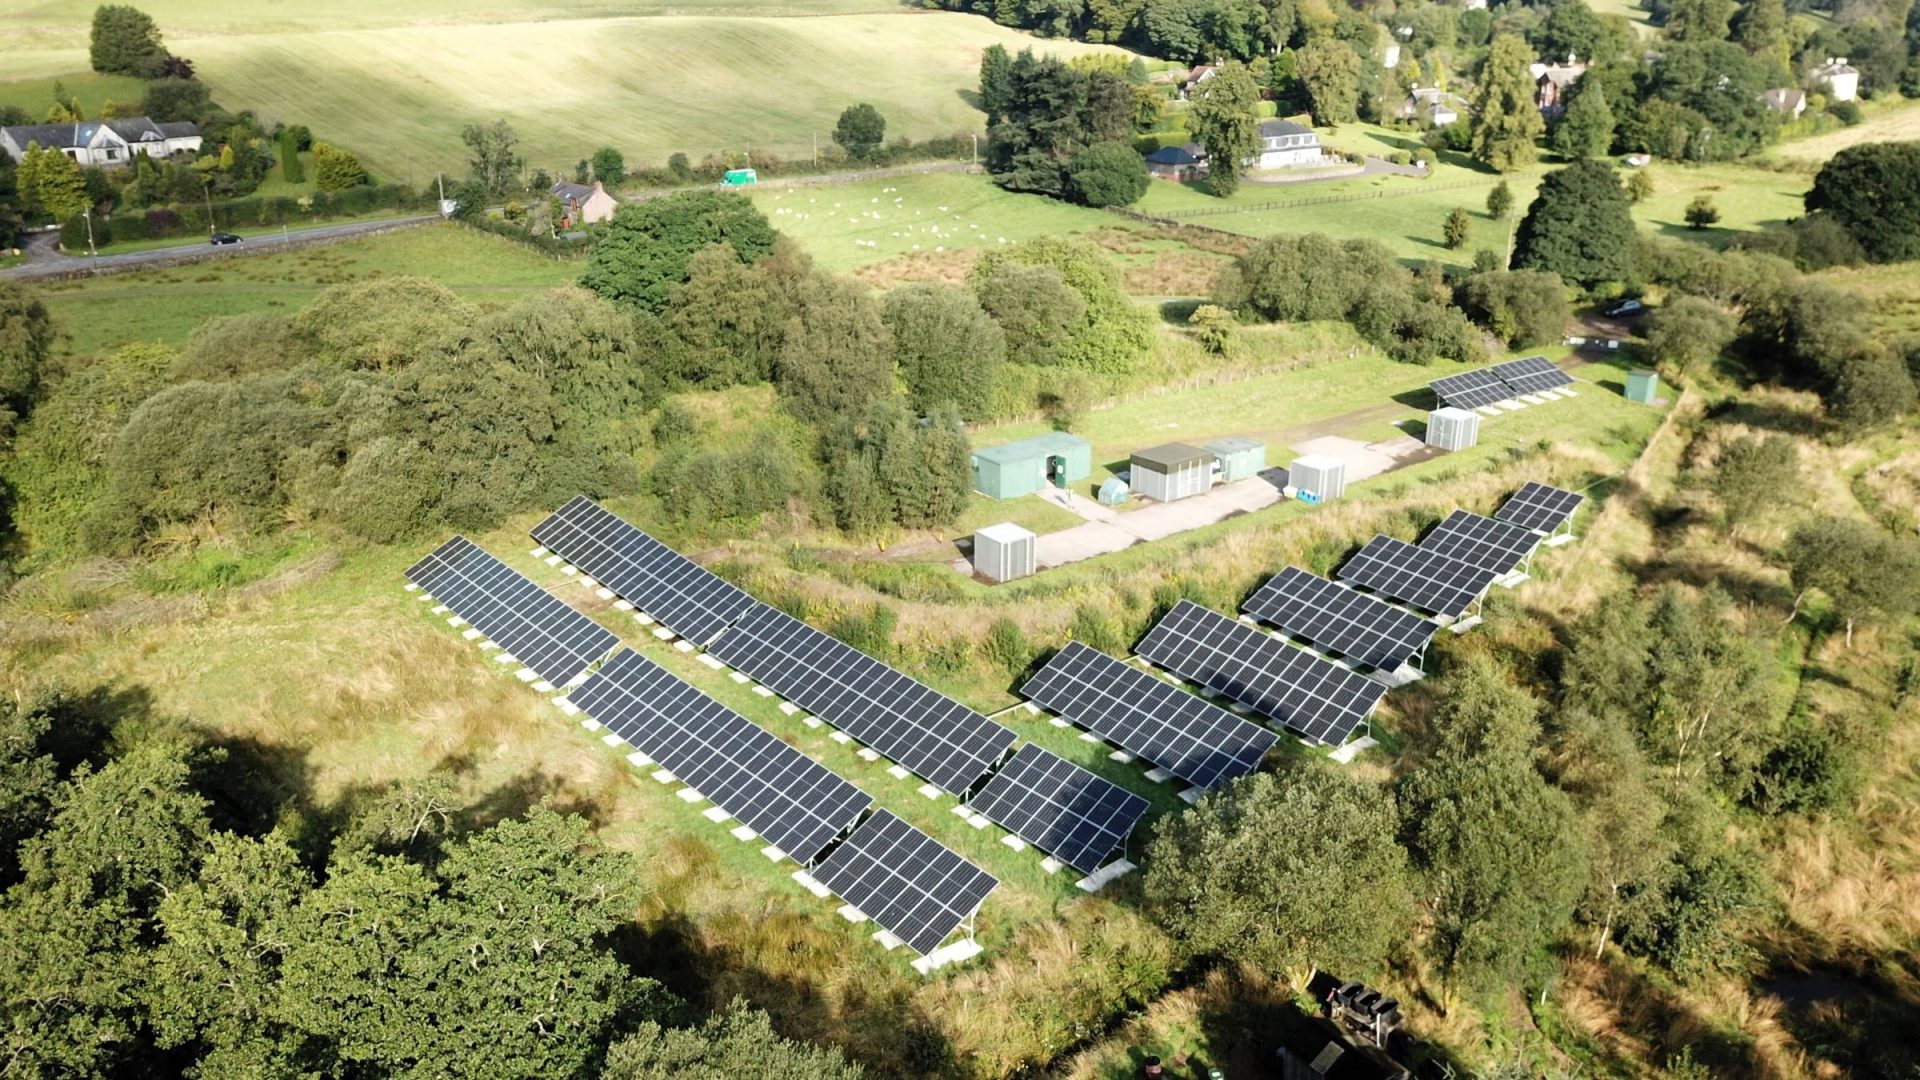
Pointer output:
224, 238
1626, 307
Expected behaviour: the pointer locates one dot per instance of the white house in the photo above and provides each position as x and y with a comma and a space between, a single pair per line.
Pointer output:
1434, 105
104, 142
1786, 99
1286, 145
1841, 80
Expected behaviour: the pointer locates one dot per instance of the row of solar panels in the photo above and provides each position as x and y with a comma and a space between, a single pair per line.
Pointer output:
1299, 690
796, 804
1501, 382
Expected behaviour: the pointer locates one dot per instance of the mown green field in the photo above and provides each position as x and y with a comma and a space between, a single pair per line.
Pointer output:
92, 91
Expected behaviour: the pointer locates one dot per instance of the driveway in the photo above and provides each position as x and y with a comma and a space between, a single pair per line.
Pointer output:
1108, 530
44, 261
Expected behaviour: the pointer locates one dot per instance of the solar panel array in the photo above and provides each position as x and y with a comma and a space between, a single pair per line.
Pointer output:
684, 596
1420, 578
925, 731
905, 880
1481, 541
1200, 743
1357, 626
1539, 507
535, 626
795, 803
1471, 389
1308, 694
1531, 374
1059, 807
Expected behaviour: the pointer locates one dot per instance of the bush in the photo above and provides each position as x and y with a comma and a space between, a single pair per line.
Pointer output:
335, 169
1107, 174
1847, 112
73, 233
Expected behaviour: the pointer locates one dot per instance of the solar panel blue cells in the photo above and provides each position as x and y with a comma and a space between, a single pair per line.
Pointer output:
1059, 807
684, 596
536, 627
1481, 541
1307, 694
1200, 743
917, 889
1417, 577
1359, 627
1539, 507
1531, 374
931, 734
795, 803
1471, 389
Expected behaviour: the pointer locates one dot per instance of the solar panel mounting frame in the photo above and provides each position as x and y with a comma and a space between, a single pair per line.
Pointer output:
851, 862
1389, 563
546, 634
1020, 792
1489, 543
1471, 389
1338, 619
1536, 504
1531, 375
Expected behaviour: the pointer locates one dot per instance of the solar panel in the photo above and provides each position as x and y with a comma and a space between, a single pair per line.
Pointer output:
1308, 694
927, 732
1531, 374
1416, 576
1355, 625
535, 626
684, 596
1059, 807
1481, 541
1197, 742
905, 880
797, 804
1539, 507
1471, 389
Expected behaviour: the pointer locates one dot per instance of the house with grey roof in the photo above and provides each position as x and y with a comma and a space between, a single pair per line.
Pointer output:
583, 204
103, 142
1287, 145
1840, 79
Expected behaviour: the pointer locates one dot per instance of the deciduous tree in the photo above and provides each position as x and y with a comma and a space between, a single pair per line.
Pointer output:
1107, 174
860, 130
947, 348
1329, 72
1222, 119
491, 156
609, 166
1753, 473
1688, 333
649, 245
126, 41
1873, 190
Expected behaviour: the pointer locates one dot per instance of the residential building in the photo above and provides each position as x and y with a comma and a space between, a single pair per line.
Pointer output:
583, 204
1841, 80
1188, 162
1433, 105
1791, 101
1287, 145
1552, 82
104, 142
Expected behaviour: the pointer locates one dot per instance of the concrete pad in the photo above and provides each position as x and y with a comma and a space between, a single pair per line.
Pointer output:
978, 821
553, 560
712, 661
738, 677
1405, 675
1350, 750
604, 594
772, 853
1487, 411
808, 883
1121, 756
841, 737
715, 814
743, 834
543, 686
1513, 580
411, 587
505, 658
1532, 399
962, 811
810, 721
789, 708
683, 645
456, 621
1191, 795
897, 772
665, 777
852, 914
1100, 878
663, 633
958, 952
613, 740
887, 941
1030, 707
488, 646
639, 760
1060, 721
1088, 736
622, 605
1052, 865
1106, 530
589, 723
1159, 775
1508, 406
569, 570
1563, 538
526, 675
688, 795
469, 633
1014, 842
763, 691
1464, 625
930, 791
566, 706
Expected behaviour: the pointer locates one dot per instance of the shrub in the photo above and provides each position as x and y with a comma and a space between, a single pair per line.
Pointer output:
73, 234
335, 169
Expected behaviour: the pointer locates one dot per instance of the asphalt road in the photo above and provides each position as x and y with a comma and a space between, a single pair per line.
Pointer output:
44, 261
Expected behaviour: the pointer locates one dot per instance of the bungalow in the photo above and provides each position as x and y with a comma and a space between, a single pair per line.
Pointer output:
1551, 82
1188, 162
1198, 75
1841, 80
1788, 100
583, 204
1434, 105
103, 142
1287, 145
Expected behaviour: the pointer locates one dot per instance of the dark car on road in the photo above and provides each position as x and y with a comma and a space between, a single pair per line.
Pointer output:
224, 238
1626, 307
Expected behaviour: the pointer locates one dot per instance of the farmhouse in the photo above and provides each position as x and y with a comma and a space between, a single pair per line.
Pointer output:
1788, 100
1434, 105
103, 142
1188, 162
583, 204
1551, 82
1841, 80
1287, 145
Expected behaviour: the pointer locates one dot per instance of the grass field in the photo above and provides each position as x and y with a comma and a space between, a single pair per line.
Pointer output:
93, 91
1898, 121
165, 305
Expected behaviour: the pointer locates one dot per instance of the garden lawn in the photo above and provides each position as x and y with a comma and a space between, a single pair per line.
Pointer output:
165, 305
848, 226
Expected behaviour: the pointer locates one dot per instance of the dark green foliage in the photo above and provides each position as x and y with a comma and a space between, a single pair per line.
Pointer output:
948, 350
1500, 849
1107, 174
884, 468
1521, 307
1330, 76
1712, 91
1586, 131
1687, 333
491, 157
232, 346
730, 318
1266, 872
738, 1044
1112, 333
1034, 306
1753, 472
385, 323
1223, 119
1041, 123
1870, 389
26, 344
1506, 122
1863, 572
29, 778
126, 41
1580, 226
1810, 768
649, 245
1873, 191
1701, 212
609, 167
727, 488
1007, 645
1572, 29
1500, 200
335, 169
1455, 229
836, 355
859, 130
996, 82
291, 168
1691, 917
170, 100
